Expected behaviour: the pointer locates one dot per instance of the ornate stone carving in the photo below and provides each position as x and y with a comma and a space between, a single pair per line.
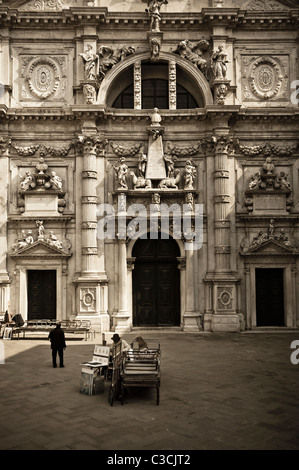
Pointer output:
265, 78
185, 151
90, 60
121, 151
225, 298
264, 237
190, 174
137, 85
221, 92
193, 52
27, 238
121, 174
172, 84
46, 5
140, 182
155, 46
43, 77
267, 179
264, 5
153, 10
88, 299
268, 150
171, 182
89, 92
218, 63
108, 57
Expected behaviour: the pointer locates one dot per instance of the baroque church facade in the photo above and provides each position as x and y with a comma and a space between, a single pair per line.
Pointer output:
113, 113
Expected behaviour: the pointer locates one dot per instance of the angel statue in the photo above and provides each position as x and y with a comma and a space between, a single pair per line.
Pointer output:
193, 52
109, 57
90, 60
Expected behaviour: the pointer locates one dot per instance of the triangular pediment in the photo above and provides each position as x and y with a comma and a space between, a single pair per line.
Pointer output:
271, 247
268, 5
41, 249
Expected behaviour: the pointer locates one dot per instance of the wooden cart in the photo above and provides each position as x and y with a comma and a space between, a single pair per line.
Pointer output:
141, 368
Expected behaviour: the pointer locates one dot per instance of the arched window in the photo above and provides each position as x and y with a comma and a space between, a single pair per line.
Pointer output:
155, 95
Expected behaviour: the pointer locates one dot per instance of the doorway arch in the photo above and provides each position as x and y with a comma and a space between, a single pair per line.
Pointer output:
156, 283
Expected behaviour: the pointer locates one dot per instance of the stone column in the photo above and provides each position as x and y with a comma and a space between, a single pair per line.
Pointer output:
223, 280
4, 183
89, 208
122, 315
191, 317
92, 282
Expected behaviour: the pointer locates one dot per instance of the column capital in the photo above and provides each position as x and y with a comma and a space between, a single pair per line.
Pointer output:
220, 144
91, 144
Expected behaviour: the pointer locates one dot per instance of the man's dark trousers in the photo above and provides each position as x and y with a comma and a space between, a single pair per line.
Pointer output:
54, 356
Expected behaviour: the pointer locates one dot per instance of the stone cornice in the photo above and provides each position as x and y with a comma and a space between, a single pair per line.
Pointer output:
100, 15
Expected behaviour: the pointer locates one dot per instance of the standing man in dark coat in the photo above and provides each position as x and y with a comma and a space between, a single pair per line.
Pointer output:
57, 339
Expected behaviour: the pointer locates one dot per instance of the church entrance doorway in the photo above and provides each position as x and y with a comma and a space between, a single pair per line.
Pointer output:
156, 283
41, 294
269, 297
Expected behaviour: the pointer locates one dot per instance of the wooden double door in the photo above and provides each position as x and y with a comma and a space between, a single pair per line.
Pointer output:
156, 283
41, 294
269, 297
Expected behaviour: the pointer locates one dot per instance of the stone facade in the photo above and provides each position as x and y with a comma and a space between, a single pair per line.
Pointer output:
76, 133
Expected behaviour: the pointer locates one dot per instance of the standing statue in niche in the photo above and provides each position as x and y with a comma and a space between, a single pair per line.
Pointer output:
218, 63
154, 12
121, 174
90, 59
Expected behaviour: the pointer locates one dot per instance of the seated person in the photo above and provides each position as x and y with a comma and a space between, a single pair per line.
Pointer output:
116, 339
141, 344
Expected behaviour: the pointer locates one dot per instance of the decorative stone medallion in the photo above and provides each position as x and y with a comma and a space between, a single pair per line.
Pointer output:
265, 78
42, 77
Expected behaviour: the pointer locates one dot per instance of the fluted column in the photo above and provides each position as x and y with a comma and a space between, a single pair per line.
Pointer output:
191, 320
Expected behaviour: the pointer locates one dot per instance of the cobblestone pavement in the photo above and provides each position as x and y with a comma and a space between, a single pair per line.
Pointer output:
218, 391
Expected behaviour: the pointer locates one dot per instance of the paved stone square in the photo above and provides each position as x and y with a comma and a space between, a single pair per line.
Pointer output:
236, 391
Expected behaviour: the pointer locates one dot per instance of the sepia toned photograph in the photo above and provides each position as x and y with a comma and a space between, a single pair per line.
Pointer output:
149, 228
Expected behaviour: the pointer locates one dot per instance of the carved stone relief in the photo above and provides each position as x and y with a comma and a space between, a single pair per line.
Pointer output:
47, 5
265, 77
29, 237
43, 78
264, 5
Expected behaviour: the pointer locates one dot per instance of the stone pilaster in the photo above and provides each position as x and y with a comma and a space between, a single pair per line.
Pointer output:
122, 316
4, 183
92, 283
191, 321
222, 281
